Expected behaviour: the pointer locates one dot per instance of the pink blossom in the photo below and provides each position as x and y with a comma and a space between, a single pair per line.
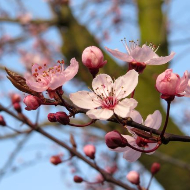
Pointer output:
90, 151
133, 177
108, 97
139, 57
43, 78
153, 121
170, 84
93, 58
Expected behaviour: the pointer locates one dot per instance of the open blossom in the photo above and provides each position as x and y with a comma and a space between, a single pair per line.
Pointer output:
170, 84
138, 57
43, 78
108, 96
153, 121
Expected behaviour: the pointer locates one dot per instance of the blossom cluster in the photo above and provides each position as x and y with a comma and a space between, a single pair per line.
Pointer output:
111, 100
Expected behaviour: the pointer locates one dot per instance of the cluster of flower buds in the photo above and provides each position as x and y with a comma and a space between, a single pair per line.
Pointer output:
60, 117
16, 99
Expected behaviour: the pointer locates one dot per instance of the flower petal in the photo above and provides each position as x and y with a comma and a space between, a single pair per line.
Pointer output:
154, 120
187, 90
120, 55
124, 107
136, 116
125, 84
182, 83
102, 85
85, 99
131, 155
71, 70
102, 114
36, 86
160, 60
143, 54
150, 146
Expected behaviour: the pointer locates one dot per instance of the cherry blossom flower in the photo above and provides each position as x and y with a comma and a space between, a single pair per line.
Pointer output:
170, 84
138, 57
43, 78
153, 121
108, 96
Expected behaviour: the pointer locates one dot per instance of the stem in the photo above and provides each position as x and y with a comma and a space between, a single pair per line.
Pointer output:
139, 187
150, 182
133, 93
166, 121
144, 151
14, 129
75, 125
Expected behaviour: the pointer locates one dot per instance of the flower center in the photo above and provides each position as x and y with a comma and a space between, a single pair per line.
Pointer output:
109, 102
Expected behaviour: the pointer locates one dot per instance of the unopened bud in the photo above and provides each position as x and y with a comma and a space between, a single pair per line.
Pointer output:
90, 151
155, 168
77, 179
51, 117
133, 177
56, 160
15, 98
32, 102
114, 139
62, 118
2, 121
17, 107
93, 59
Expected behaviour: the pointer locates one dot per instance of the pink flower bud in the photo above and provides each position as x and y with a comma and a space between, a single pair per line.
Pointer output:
78, 179
32, 102
2, 121
17, 107
155, 168
62, 118
56, 159
93, 59
133, 177
170, 84
90, 151
114, 139
51, 117
15, 98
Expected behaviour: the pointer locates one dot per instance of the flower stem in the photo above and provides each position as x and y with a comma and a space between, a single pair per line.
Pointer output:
166, 121
75, 125
150, 182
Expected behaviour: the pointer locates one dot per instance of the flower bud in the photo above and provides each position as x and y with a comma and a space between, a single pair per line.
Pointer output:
17, 107
78, 179
114, 139
62, 118
133, 177
90, 151
170, 84
2, 121
15, 98
155, 168
51, 117
32, 102
55, 160
93, 59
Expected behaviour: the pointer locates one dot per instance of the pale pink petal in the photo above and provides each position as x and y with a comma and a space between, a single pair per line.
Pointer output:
154, 120
124, 107
36, 86
182, 83
125, 84
102, 114
150, 147
136, 116
142, 54
71, 70
57, 80
120, 55
85, 100
131, 155
160, 60
102, 85
187, 90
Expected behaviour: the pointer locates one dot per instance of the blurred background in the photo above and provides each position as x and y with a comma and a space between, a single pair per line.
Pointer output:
44, 31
